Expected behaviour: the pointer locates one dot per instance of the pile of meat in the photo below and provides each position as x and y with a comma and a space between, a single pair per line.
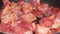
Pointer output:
29, 18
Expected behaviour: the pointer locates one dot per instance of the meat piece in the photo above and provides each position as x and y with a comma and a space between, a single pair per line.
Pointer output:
3, 28
52, 31
58, 15
46, 22
40, 10
38, 13
7, 18
56, 22
52, 16
9, 13
27, 8
29, 17
54, 10
55, 25
6, 2
28, 32
41, 30
27, 26
35, 3
58, 29
43, 7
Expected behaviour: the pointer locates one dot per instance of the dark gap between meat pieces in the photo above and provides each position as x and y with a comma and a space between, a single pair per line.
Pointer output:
2, 33
1, 4
27, 1
58, 33
0, 20
13, 1
37, 20
54, 3
33, 32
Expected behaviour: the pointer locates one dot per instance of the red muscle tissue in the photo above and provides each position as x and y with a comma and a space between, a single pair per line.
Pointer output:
21, 18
